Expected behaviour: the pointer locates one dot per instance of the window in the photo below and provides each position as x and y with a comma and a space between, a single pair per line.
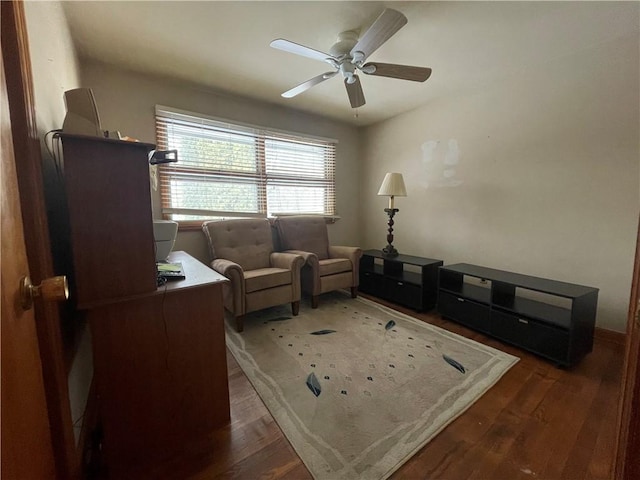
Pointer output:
236, 170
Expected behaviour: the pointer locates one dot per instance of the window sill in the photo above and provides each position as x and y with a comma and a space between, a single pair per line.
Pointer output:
193, 225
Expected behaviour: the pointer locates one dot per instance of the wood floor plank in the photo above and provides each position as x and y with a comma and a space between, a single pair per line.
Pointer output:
271, 462
572, 459
603, 457
507, 427
538, 421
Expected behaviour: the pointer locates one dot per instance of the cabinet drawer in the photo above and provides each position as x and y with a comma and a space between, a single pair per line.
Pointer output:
542, 339
370, 282
404, 293
467, 312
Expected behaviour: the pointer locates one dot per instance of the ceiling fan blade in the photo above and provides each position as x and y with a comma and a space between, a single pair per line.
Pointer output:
291, 47
355, 93
385, 26
403, 72
303, 87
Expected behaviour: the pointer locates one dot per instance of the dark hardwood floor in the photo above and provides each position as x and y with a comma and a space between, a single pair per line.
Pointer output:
537, 422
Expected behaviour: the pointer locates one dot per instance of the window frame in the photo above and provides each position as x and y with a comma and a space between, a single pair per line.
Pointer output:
165, 117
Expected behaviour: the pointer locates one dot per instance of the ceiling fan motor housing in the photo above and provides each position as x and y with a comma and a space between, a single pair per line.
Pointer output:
344, 44
341, 50
347, 69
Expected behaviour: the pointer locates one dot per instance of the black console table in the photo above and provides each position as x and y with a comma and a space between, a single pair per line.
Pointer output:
552, 319
403, 279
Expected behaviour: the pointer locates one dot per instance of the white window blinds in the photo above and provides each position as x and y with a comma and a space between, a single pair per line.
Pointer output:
231, 170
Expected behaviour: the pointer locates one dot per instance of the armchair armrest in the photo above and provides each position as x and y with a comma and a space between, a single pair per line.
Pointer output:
291, 262
310, 278
227, 268
233, 272
308, 257
353, 254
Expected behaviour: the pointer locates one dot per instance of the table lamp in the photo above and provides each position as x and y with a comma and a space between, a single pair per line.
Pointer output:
392, 186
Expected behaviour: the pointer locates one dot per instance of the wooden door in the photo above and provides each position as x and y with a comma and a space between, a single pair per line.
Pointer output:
628, 451
24, 188
27, 450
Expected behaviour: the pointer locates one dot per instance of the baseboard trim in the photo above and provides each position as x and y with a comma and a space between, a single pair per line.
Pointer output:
610, 336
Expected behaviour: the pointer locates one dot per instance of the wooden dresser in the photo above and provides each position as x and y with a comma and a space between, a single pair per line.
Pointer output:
160, 367
159, 356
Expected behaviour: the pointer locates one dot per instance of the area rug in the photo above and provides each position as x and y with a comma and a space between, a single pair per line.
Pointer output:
359, 388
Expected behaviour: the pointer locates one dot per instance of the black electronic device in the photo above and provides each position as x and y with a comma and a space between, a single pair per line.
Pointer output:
163, 156
170, 271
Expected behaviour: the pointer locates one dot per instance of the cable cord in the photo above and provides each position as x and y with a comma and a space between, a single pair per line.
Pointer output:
54, 150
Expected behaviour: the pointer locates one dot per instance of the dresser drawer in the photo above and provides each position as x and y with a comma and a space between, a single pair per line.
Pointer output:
467, 312
545, 340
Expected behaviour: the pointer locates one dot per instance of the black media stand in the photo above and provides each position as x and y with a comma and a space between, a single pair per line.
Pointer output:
391, 278
552, 319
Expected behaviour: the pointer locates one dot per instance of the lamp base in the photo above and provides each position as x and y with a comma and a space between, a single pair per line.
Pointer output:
390, 251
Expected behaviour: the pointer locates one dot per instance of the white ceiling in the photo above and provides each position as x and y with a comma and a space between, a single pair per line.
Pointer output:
225, 45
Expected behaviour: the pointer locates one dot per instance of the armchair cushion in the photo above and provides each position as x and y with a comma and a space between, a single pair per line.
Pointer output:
228, 239
304, 232
331, 266
263, 278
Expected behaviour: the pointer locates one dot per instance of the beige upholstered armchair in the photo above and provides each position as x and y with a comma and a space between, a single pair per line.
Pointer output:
242, 250
326, 267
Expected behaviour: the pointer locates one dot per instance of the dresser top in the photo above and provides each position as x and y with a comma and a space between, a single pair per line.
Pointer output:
196, 273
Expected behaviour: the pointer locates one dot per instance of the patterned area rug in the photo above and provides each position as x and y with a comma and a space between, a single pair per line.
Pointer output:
358, 388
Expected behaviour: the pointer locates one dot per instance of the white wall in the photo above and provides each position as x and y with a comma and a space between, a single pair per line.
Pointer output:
126, 103
55, 70
547, 175
53, 61
546, 181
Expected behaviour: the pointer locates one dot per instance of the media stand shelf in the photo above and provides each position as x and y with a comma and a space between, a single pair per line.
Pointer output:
552, 319
403, 279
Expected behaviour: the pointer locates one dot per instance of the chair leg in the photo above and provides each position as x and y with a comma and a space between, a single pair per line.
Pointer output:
240, 323
314, 301
354, 292
295, 308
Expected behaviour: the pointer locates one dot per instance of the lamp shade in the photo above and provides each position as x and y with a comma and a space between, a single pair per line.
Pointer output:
393, 186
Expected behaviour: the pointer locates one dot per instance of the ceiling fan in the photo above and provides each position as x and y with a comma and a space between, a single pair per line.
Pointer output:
348, 54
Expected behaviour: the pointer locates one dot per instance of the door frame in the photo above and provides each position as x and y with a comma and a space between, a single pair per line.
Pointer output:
627, 461
26, 143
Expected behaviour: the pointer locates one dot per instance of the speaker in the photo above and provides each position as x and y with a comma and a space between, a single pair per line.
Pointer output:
82, 115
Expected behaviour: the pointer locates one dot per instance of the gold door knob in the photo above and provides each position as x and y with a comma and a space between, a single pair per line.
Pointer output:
54, 289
